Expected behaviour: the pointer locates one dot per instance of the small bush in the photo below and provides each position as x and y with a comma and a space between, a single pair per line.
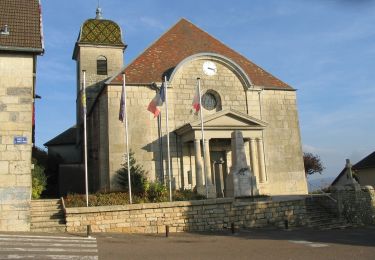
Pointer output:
38, 180
184, 195
97, 199
157, 192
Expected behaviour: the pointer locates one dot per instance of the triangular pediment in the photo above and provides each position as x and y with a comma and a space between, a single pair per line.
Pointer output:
229, 118
225, 120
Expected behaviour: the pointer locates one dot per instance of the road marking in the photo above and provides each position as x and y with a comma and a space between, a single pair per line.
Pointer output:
52, 257
47, 247
318, 245
58, 237
308, 243
46, 240
46, 244
300, 242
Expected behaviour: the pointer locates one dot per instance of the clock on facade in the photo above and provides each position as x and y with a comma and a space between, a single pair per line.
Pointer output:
209, 68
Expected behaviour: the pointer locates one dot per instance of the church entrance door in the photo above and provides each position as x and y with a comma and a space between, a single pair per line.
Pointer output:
219, 171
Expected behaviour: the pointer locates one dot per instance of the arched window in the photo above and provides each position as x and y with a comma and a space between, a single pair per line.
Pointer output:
211, 100
101, 65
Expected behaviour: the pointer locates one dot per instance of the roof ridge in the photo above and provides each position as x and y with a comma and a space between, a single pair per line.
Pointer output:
155, 41
227, 46
182, 40
368, 161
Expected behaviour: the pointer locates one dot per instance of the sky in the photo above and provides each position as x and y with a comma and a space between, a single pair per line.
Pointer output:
323, 48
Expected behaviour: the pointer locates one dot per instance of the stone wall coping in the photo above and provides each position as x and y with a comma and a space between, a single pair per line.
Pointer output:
82, 210
244, 203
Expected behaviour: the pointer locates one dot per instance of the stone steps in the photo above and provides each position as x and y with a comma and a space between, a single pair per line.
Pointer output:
320, 218
47, 216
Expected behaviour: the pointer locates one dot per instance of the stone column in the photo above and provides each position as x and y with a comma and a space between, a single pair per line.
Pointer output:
207, 162
219, 178
262, 168
253, 157
198, 162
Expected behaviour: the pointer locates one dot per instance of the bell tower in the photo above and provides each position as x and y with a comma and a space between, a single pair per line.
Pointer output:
99, 51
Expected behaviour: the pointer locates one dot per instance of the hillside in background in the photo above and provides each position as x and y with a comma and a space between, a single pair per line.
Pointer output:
320, 183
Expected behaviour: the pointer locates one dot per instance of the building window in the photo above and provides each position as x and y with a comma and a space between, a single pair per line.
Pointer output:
101, 65
211, 100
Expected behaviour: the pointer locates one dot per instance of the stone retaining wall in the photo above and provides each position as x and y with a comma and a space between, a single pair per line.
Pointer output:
205, 215
357, 206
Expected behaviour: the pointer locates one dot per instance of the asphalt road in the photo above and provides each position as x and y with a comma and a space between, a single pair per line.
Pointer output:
358, 243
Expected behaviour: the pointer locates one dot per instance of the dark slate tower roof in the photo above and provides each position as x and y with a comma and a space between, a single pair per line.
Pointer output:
367, 162
99, 31
181, 41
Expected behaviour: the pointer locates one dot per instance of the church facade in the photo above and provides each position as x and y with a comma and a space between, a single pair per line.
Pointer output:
236, 95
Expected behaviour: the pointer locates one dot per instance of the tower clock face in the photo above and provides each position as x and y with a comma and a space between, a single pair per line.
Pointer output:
209, 68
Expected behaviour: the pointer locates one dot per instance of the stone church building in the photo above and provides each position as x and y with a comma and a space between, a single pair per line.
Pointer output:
236, 95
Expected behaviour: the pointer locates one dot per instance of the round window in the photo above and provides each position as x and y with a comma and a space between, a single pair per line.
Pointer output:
209, 101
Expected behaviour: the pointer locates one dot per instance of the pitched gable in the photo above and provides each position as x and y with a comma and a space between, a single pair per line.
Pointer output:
367, 162
181, 41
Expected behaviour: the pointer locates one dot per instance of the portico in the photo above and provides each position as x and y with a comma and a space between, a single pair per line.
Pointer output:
212, 169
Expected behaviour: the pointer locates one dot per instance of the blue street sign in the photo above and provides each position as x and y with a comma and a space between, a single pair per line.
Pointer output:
20, 140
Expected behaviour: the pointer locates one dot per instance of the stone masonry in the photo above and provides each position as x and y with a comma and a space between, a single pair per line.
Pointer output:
16, 99
207, 215
356, 205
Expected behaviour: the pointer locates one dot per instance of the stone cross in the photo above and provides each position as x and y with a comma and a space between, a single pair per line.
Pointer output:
349, 181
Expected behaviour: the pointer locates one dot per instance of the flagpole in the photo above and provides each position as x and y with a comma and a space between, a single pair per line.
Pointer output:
127, 140
168, 150
85, 136
202, 130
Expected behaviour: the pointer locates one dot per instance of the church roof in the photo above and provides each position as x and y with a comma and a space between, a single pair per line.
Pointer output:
185, 39
20, 26
99, 32
367, 162
67, 137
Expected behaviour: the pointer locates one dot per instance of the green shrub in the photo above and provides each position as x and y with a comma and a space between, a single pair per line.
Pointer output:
157, 192
97, 199
185, 195
38, 180
137, 175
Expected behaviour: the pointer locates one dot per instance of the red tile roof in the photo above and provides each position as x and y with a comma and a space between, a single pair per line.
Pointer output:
23, 18
181, 41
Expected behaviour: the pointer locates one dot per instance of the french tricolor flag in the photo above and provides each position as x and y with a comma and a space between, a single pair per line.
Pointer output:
196, 100
157, 101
